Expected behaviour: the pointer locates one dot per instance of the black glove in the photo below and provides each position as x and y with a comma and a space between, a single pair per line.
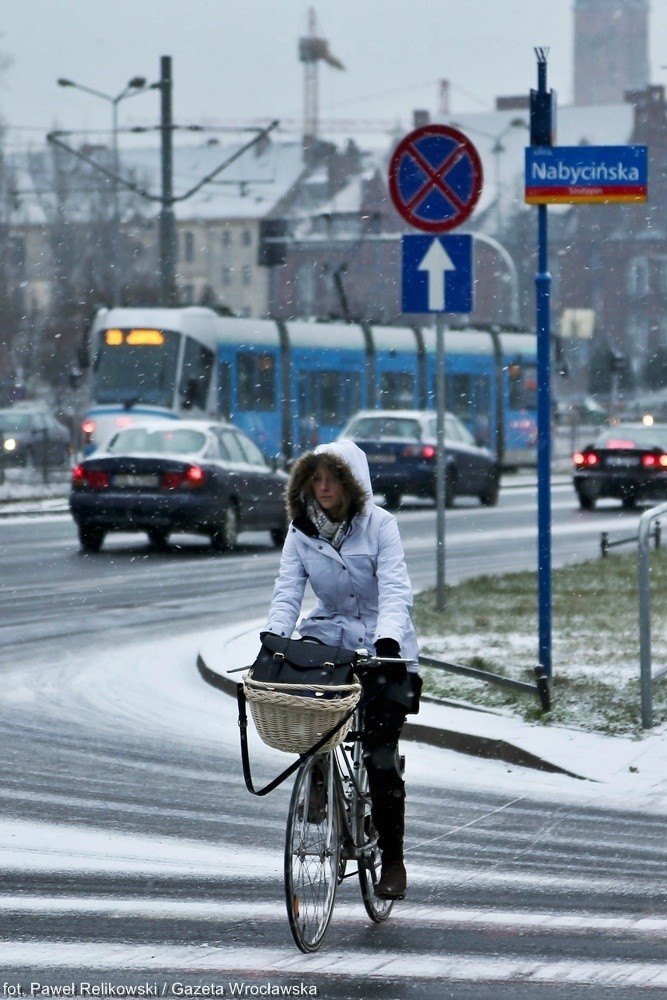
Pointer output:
387, 648
262, 635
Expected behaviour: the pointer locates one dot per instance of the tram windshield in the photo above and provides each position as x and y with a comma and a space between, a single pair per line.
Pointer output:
136, 366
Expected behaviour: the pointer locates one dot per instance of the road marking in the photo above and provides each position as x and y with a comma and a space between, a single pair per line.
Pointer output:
416, 914
383, 965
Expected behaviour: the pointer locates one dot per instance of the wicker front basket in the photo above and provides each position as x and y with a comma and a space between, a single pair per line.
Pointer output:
293, 718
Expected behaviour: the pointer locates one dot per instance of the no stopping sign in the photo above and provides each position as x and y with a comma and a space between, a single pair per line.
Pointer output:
435, 178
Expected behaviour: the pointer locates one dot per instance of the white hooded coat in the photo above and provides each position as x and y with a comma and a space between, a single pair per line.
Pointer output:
363, 590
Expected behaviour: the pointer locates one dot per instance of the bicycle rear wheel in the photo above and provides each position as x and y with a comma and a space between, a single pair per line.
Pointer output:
312, 853
370, 860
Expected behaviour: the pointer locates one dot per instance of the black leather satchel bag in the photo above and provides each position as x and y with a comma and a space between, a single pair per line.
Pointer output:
295, 661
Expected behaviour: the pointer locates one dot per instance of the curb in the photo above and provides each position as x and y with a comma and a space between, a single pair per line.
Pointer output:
475, 746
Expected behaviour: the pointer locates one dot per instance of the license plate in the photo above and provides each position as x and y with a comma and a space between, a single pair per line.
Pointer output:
623, 462
135, 480
382, 459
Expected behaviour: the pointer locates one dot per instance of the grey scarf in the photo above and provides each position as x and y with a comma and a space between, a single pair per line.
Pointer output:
332, 531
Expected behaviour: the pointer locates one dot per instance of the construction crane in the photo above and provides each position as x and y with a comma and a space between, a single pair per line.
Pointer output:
312, 50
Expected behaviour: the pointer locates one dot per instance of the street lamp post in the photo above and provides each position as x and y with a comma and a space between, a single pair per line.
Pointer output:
497, 150
505, 255
136, 85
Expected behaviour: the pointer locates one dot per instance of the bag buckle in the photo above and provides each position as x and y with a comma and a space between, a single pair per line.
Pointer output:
328, 665
279, 657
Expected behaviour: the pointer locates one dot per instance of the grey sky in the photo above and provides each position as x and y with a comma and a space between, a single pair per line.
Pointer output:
236, 60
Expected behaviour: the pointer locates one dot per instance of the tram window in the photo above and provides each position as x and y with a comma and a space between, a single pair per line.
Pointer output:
256, 388
522, 381
339, 394
136, 365
396, 390
195, 375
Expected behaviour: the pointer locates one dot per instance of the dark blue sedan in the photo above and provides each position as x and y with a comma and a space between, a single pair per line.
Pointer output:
190, 476
401, 447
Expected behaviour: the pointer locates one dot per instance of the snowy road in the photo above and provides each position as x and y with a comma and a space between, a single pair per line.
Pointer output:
132, 854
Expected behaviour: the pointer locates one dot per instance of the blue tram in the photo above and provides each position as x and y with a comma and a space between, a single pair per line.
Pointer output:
292, 384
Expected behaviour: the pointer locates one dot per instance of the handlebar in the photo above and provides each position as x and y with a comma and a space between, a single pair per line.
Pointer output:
364, 658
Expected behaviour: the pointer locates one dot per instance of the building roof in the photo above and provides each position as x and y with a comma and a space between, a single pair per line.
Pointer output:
248, 188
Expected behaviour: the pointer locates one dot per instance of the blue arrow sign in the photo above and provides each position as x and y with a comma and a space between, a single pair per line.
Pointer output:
437, 273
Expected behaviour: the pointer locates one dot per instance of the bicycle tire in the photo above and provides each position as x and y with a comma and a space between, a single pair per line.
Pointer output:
312, 857
369, 863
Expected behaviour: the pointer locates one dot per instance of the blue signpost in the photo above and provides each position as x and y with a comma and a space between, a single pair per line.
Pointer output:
563, 175
437, 274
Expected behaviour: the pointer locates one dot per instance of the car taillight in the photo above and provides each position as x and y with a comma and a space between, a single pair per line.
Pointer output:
582, 459
94, 479
653, 461
189, 478
429, 452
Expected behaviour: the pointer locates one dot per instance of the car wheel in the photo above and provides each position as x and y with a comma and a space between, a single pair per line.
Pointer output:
392, 499
489, 495
278, 536
225, 535
158, 537
91, 537
586, 501
450, 487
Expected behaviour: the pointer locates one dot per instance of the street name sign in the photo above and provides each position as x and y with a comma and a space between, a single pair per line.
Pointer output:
435, 178
437, 273
586, 174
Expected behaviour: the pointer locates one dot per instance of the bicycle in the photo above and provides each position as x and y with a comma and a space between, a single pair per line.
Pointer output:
329, 824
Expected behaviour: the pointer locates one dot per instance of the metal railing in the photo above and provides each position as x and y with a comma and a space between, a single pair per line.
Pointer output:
606, 544
540, 688
647, 677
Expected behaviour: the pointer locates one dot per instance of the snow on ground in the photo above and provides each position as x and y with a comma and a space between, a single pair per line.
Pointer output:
154, 690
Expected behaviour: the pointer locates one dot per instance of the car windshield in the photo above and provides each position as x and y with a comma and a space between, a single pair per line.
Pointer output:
165, 441
13, 422
385, 427
454, 429
633, 437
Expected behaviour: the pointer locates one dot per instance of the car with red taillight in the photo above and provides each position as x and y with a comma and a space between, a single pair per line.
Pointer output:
401, 447
626, 462
192, 476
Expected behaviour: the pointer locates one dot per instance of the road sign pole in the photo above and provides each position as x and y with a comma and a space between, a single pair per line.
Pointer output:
435, 180
440, 393
542, 295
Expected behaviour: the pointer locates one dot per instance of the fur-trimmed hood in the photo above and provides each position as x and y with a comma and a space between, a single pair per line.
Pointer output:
346, 460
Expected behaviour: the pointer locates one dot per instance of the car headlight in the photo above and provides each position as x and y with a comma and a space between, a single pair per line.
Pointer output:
10, 444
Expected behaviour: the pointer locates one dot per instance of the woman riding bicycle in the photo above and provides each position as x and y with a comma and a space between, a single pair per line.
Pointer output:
350, 551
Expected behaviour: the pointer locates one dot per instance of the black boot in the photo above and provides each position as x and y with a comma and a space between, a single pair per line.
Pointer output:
389, 820
393, 881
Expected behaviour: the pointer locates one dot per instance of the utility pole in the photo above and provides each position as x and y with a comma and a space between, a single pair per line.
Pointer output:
167, 250
167, 224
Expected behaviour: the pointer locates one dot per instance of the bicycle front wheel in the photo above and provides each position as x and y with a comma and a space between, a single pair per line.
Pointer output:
312, 853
